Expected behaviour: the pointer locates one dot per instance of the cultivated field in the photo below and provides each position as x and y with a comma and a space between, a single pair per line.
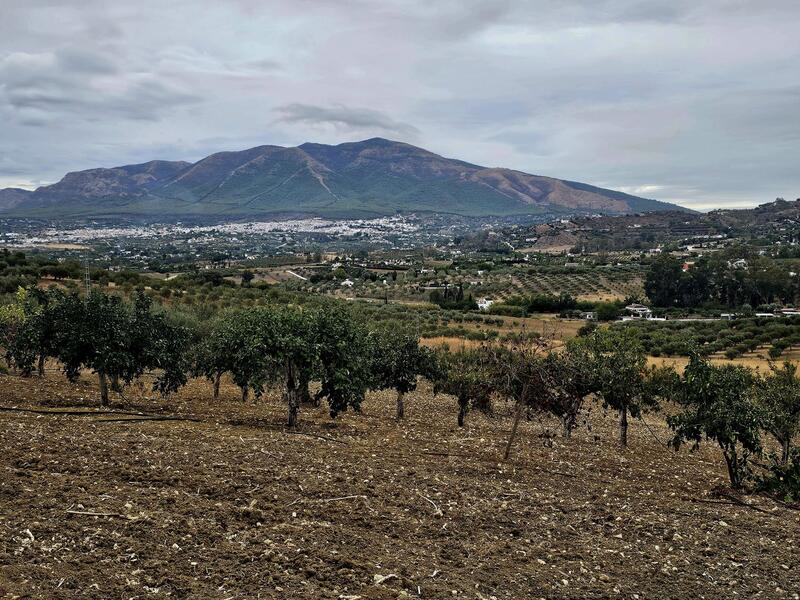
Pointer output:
231, 505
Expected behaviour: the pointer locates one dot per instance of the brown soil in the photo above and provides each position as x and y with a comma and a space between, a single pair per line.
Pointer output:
234, 506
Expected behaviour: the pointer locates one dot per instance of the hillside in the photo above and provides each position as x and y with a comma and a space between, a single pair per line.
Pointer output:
776, 220
368, 178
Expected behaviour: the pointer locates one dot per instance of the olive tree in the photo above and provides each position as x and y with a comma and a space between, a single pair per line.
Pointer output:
569, 378
718, 405
12, 319
229, 347
343, 358
397, 362
290, 340
327, 344
778, 393
290, 346
158, 342
33, 340
117, 341
621, 374
467, 375
517, 374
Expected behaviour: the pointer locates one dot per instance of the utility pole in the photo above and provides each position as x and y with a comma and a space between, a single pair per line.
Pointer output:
87, 282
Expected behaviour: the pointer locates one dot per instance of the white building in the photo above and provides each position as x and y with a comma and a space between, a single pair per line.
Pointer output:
639, 311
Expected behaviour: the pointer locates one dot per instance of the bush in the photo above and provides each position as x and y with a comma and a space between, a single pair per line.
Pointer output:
718, 407
607, 311
508, 310
775, 352
783, 479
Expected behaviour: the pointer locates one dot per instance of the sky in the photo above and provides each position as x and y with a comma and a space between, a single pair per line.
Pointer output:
695, 102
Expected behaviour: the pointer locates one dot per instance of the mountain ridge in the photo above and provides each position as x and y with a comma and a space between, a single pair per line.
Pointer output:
369, 177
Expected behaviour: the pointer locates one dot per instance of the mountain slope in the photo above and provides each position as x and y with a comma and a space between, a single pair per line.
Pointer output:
368, 178
12, 197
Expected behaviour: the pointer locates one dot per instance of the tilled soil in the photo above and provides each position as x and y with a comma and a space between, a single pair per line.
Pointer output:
231, 505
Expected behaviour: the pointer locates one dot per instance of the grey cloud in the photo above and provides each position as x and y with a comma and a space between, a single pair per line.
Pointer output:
83, 86
344, 117
82, 60
692, 101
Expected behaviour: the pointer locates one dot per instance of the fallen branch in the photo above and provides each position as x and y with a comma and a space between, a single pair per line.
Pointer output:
315, 435
342, 498
559, 473
99, 514
570, 475
148, 418
436, 510
731, 501
741, 502
655, 437
704, 501
72, 413
325, 500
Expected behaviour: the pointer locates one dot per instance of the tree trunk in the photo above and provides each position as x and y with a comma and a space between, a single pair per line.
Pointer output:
294, 407
292, 397
623, 427
103, 388
785, 447
517, 419
400, 407
217, 379
733, 472
245, 393
463, 404
304, 395
567, 423
41, 365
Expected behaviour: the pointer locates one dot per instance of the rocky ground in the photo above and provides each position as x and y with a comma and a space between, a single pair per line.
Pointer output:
228, 504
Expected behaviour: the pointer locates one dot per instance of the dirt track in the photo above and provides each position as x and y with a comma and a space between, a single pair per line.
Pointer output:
235, 507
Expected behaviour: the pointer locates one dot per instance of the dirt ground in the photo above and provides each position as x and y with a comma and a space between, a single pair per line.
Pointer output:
231, 505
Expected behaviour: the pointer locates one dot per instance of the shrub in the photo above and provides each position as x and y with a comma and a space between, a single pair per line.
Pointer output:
508, 310
718, 406
783, 478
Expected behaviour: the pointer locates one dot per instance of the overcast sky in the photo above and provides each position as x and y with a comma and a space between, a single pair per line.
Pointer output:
692, 101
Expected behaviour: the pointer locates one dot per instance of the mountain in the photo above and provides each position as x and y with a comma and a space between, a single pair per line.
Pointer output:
12, 197
357, 179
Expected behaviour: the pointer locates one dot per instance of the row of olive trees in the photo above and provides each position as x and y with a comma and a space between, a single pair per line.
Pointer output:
293, 346
612, 367
115, 339
731, 406
281, 345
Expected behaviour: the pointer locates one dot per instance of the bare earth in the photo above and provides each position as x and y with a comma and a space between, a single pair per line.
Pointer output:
234, 506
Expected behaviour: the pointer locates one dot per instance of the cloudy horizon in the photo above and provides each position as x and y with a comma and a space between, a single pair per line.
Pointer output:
664, 99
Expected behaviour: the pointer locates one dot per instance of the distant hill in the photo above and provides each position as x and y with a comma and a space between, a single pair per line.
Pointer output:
357, 179
778, 221
779, 212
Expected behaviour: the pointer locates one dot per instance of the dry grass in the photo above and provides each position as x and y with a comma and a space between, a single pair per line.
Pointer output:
758, 360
